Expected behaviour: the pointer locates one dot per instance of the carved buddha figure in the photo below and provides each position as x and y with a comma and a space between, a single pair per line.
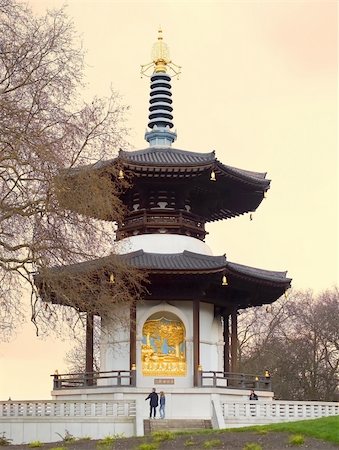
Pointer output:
163, 351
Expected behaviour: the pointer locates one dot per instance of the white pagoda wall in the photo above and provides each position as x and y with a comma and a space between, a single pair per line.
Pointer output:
211, 339
115, 346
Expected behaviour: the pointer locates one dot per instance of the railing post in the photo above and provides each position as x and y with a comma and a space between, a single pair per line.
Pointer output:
199, 376
268, 383
133, 377
214, 379
56, 381
242, 380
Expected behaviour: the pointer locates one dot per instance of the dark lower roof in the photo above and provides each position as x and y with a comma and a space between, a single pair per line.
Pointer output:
255, 273
186, 261
176, 263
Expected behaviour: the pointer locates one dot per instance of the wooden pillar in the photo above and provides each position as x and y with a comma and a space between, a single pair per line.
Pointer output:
234, 340
133, 334
196, 342
89, 347
226, 320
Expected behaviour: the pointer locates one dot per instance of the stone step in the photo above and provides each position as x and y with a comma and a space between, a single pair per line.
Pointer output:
151, 425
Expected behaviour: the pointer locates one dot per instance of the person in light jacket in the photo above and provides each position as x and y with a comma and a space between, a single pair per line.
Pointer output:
153, 403
162, 405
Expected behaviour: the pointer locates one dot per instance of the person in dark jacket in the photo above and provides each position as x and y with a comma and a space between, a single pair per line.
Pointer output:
153, 403
253, 396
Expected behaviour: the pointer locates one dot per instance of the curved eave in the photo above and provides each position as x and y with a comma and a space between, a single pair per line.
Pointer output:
176, 162
261, 276
256, 180
242, 190
248, 286
179, 263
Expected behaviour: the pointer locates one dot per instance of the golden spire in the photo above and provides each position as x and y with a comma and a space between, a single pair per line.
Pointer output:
160, 54
160, 59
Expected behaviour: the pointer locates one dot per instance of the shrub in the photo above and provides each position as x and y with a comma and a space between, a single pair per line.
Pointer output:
107, 440
35, 444
4, 440
148, 447
262, 431
296, 439
84, 438
161, 436
252, 446
68, 436
58, 448
212, 443
188, 443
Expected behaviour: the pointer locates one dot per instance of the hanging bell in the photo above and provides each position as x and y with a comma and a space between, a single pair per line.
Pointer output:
121, 175
112, 278
213, 177
224, 281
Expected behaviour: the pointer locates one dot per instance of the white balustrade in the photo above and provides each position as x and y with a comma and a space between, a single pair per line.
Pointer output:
69, 408
276, 411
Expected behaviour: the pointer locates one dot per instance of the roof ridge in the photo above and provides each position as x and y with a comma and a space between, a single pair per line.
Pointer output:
201, 255
166, 149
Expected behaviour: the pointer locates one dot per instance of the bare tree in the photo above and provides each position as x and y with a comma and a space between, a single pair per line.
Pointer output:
45, 135
76, 357
297, 339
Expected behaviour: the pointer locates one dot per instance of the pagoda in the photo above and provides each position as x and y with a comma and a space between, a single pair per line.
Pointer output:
184, 331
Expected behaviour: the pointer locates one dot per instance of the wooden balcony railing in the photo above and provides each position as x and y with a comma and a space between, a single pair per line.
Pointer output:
127, 378
94, 379
231, 380
148, 220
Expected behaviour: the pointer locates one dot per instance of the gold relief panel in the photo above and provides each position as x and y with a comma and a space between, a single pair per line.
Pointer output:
163, 351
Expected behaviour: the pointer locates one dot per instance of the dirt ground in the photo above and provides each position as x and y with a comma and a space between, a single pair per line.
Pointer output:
229, 441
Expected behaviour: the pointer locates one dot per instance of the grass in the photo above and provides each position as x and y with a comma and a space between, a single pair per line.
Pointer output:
326, 428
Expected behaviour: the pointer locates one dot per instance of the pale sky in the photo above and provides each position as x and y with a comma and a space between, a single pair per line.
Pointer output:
258, 86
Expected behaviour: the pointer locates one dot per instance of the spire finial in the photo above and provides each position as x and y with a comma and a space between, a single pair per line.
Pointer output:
160, 109
160, 54
161, 60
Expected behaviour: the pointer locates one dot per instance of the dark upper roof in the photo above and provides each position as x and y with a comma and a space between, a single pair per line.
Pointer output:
167, 156
165, 159
236, 191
